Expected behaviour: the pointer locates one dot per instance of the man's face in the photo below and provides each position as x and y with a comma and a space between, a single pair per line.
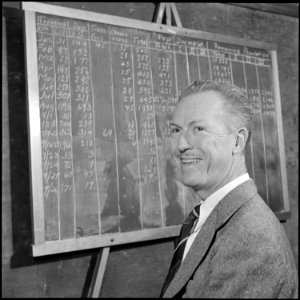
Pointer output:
200, 142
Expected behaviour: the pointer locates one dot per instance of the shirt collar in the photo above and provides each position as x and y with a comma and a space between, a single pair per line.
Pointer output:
211, 201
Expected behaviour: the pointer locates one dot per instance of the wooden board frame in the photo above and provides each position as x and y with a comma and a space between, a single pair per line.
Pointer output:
42, 247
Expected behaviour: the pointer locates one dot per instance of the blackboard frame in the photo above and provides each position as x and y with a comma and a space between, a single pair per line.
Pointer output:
42, 247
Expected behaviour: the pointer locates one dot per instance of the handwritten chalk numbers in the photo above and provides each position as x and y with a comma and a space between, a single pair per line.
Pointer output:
106, 95
268, 105
107, 132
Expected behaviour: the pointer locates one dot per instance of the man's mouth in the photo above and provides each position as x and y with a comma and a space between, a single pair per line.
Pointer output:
189, 161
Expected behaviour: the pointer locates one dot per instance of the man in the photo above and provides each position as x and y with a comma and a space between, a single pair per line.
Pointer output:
238, 248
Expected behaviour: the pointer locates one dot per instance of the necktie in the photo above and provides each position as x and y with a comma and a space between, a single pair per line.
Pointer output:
185, 232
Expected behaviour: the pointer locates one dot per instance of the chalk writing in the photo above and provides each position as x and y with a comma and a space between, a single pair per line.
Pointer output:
106, 96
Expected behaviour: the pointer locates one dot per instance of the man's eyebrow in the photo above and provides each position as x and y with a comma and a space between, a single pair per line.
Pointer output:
174, 124
190, 124
197, 121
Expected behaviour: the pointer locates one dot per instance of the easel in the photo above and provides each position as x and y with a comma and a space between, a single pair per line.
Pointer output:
98, 273
99, 269
168, 9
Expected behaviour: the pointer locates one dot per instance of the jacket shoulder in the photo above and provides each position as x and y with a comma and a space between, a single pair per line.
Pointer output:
254, 237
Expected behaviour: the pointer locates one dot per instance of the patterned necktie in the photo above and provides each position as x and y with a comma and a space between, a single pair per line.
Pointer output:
185, 232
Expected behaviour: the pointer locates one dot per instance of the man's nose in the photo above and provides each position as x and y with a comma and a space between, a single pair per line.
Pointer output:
183, 142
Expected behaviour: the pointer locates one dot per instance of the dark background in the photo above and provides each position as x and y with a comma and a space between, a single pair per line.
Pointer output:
139, 269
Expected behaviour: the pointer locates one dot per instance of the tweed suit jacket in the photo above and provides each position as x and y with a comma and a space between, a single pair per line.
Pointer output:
241, 251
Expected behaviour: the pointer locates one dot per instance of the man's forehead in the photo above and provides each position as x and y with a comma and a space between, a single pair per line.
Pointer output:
201, 103
209, 96
190, 122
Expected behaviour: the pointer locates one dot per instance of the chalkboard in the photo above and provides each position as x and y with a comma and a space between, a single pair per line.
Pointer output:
101, 92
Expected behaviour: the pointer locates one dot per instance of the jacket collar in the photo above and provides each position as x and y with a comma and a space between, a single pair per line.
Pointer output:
221, 213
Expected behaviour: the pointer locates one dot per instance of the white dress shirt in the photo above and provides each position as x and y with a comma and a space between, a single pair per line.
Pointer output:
209, 204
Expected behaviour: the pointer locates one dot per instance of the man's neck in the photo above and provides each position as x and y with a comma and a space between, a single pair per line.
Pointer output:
237, 169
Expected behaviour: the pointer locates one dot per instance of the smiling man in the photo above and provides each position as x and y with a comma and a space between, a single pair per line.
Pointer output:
231, 245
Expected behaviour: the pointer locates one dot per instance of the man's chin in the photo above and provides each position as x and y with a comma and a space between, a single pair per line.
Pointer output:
195, 185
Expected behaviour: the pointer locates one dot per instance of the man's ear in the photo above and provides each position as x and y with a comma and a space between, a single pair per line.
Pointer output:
241, 137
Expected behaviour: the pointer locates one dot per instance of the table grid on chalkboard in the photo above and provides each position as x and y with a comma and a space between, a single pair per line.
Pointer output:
106, 95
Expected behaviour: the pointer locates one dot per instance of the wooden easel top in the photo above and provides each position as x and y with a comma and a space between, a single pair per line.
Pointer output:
169, 9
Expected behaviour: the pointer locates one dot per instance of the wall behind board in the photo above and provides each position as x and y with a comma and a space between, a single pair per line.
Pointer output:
133, 270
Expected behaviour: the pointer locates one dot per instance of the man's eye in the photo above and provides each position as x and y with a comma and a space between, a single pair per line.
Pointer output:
175, 130
198, 128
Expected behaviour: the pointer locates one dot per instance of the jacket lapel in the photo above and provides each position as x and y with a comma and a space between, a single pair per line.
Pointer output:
222, 212
193, 257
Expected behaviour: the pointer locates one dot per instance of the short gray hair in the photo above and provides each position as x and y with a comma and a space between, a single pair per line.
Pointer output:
239, 111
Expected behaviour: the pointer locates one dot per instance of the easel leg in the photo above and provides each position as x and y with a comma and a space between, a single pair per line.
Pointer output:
98, 274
